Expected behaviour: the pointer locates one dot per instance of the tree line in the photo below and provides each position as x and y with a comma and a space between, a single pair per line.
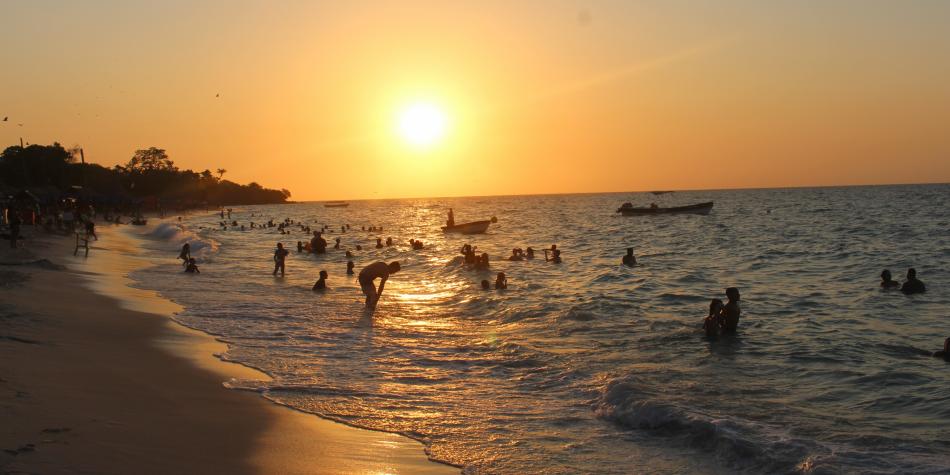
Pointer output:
149, 175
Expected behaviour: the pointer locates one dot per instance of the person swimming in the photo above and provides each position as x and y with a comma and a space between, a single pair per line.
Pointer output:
555, 255
629, 260
416, 244
529, 253
185, 254
516, 254
389, 242
321, 283
481, 262
486, 285
349, 253
712, 324
501, 282
912, 285
379, 243
280, 255
192, 266
731, 311
945, 353
349, 267
887, 282
337, 245
377, 270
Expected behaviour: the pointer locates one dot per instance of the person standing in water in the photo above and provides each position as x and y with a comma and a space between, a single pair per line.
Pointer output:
712, 324
912, 285
377, 270
501, 282
280, 255
731, 311
321, 283
629, 260
185, 254
349, 267
887, 282
451, 221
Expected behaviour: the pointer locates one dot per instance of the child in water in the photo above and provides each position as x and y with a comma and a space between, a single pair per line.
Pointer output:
712, 324
280, 254
321, 283
501, 282
349, 267
192, 266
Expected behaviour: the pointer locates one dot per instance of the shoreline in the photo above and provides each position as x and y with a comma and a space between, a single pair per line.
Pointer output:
96, 376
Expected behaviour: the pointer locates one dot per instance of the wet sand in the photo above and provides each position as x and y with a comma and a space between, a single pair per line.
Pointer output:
105, 382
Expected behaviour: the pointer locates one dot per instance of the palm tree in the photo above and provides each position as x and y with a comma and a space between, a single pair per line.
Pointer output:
221, 173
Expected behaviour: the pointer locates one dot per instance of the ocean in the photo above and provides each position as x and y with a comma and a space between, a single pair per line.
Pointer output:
588, 366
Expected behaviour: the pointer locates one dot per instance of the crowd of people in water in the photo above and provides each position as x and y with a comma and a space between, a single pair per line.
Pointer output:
721, 320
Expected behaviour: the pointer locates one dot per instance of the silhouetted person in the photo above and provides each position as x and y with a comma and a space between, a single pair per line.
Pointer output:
318, 245
321, 283
486, 285
349, 267
337, 245
516, 255
377, 270
91, 230
299, 246
389, 241
529, 253
379, 243
912, 285
501, 282
280, 255
731, 311
554, 256
887, 282
185, 254
451, 221
481, 262
629, 260
349, 254
945, 353
192, 266
712, 324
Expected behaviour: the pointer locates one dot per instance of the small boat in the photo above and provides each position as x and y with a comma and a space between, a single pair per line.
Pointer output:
700, 208
475, 227
335, 204
660, 192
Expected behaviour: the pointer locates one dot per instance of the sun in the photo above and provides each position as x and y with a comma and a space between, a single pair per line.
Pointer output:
422, 124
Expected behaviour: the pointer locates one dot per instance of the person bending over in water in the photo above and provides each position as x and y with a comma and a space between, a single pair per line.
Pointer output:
192, 266
377, 270
349, 267
321, 283
280, 255
945, 353
485, 285
501, 282
912, 285
629, 260
731, 311
712, 324
185, 254
554, 256
886, 282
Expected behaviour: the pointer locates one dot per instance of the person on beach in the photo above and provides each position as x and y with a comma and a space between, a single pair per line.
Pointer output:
887, 282
185, 254
731, 311
91, 229
501, 282
451, 221
629, 260
912, 285
192, 266
712, 324
349, 267
280, 255
321, 283
945, 353
486, 285
377, 270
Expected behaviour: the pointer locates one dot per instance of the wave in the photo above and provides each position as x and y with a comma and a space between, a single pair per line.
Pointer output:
201, 247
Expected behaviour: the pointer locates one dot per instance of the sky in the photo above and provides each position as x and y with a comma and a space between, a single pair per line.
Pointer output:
536, 96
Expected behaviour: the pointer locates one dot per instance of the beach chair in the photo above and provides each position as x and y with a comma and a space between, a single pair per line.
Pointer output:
82, 241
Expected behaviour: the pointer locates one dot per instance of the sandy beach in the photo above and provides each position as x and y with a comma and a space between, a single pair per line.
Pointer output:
96, 378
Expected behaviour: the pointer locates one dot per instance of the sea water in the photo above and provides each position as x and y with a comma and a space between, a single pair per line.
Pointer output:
588, 366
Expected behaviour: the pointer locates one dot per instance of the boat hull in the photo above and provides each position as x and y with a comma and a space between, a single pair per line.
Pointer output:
475, 227
336, 205
700, 208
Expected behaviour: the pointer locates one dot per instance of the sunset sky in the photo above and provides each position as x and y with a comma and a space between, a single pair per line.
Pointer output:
531, 96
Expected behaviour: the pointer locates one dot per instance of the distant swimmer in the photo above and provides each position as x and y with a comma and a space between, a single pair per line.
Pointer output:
416, 244
482, 262
516, 254
912, 285
486, 285
501, 282
299, 246
451, 221
359, 247
712, 324
379, 243
192, 266
349, 253
321, 283
629, 260
529, 253
377, 270
185, 254
280, 255
554, 256
886, 282
337, 245
731, 311
945, 353
349, 267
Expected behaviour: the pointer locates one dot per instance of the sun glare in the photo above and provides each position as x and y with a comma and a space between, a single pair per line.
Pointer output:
422, 125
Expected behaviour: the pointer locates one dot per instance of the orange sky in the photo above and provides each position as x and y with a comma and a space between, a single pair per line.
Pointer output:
540, 96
